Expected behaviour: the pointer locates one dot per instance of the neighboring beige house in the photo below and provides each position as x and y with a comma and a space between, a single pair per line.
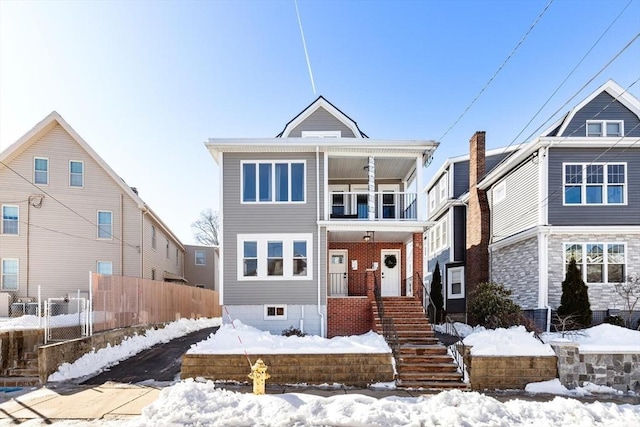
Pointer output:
201, 266
65, 213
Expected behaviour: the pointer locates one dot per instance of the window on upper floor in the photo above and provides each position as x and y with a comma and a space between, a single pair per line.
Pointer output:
104, 267
610, 128
432, 200
153, 237
76, 174
105, 225
273, 257
177, 258
598, 262
438, 236
500, 192
443, 188
201, 258
167, 249
273, 182
10, 216
9, 274
41, 171
594, 183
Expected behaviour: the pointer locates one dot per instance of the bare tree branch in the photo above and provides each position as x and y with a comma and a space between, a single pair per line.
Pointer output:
205, 229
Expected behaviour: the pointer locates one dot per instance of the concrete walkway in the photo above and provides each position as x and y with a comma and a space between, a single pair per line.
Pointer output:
115, 401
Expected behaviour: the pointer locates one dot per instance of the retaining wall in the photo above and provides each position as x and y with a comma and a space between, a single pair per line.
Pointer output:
510, 372
349, 369
15, 345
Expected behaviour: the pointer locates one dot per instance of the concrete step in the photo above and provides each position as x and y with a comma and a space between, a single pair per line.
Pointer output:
433, 358
433, 385
419, 350
405, 368
430, 376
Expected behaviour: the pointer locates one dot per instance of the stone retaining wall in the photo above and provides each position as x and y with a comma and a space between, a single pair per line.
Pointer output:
510, 372
15, 345
620, 370
349, 369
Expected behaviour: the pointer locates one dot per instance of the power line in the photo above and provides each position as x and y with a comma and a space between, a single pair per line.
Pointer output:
63, 204
513, 51
304, 45
107, 242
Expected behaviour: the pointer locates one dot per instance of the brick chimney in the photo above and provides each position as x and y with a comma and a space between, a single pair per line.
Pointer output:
477, 262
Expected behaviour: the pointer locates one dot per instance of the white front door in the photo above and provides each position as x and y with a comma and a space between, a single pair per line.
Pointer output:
409, 269
338, 281
390, 271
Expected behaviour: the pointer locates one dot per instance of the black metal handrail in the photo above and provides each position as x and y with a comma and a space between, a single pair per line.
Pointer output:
389, 331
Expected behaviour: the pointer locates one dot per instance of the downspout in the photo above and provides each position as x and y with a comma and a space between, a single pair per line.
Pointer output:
28, 228
322, 334
121, 234
145, 211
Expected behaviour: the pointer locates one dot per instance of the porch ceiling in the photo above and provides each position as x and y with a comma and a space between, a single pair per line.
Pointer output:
386, 168
378, 236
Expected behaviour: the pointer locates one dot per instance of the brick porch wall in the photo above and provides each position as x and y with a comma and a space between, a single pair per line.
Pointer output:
348, 316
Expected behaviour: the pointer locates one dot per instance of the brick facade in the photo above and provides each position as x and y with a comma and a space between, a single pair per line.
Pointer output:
477, 259
348, 316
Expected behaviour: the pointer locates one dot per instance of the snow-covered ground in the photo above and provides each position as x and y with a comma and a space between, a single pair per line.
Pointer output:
204, 403
604, 337
515, 341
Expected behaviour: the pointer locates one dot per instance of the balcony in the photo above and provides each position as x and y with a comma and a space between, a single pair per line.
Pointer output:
388, 206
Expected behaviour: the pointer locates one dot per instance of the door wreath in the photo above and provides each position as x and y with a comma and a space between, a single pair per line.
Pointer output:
390, 261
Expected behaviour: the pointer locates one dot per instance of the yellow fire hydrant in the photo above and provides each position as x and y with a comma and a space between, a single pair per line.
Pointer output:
259, 376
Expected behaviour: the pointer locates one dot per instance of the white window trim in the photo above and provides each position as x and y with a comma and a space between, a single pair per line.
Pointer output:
17, 260
70, 174
204, 257
500, 192
287, 252
605, 184
273, 182
154, 238
436, 234
432, 200
166, 250
98, 226
443, 188
583, 264
104, 262
604, 123
276, 317
450, 294
17, 233
34, 170
322, 134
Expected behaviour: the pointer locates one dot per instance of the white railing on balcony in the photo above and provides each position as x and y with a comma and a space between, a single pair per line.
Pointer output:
392, 206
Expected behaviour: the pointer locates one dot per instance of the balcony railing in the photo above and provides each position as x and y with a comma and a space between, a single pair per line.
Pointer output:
391, 206
347, 284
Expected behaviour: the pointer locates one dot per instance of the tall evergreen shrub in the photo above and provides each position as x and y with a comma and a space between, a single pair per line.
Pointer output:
575, 297
436, 295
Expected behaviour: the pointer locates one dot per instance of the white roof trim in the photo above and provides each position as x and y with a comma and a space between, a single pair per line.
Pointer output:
48, 123
613, 89
321, 102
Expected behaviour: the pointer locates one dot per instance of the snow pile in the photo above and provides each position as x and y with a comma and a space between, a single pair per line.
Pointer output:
193, 403
97, 361
515, 341
255, 341
601, 338
463, 329
555, 387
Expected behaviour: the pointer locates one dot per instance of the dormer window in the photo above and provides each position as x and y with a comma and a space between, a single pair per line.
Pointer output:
605, 128
322, 134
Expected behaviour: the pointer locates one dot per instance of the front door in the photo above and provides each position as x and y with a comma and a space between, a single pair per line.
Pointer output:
390, 272
338, 282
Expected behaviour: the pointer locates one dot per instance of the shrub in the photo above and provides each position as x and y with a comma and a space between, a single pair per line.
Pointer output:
575, 298
615, 320
492, 307
436, 296
291, 331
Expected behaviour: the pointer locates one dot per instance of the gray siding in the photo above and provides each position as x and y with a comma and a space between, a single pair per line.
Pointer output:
594, 215
516, 267
201, 274
269, 218
442, 258
321, 120
519, 210
596, 110
304, 317
460, 178
459, 233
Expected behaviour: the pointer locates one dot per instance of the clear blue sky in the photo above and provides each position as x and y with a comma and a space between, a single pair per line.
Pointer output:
146, 83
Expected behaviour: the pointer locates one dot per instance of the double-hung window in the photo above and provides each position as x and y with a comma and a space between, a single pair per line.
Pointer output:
9, 274
275, 256
273, 182
41, 171
10, 216
605, 128
201, 258
104, 267
153, 237
455, 288
598, 262
594, 183
76, 174
105, 225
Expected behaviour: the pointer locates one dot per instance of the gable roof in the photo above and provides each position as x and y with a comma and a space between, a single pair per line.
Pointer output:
613, 89
321, 102
54, 119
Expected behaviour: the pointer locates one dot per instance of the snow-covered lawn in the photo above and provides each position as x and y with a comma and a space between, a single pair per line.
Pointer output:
515, 341
601, 338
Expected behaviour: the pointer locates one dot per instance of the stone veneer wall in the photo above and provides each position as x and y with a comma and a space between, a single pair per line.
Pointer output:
617, 370
601, 296
516, 267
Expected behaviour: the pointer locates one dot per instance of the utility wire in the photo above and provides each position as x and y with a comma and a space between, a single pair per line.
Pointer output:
513, 51
107, 242
61, 203
304, 45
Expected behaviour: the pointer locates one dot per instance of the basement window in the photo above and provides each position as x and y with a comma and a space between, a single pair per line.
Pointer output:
275, 312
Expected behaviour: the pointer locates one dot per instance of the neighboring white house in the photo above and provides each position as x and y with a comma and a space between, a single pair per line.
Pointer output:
65, 213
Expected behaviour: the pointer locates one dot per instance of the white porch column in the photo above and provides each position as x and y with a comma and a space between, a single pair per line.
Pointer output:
371, 206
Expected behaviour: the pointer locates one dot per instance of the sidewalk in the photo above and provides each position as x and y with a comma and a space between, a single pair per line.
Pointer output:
115, 401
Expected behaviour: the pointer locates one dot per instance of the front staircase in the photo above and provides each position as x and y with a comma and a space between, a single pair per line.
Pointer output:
421, 360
